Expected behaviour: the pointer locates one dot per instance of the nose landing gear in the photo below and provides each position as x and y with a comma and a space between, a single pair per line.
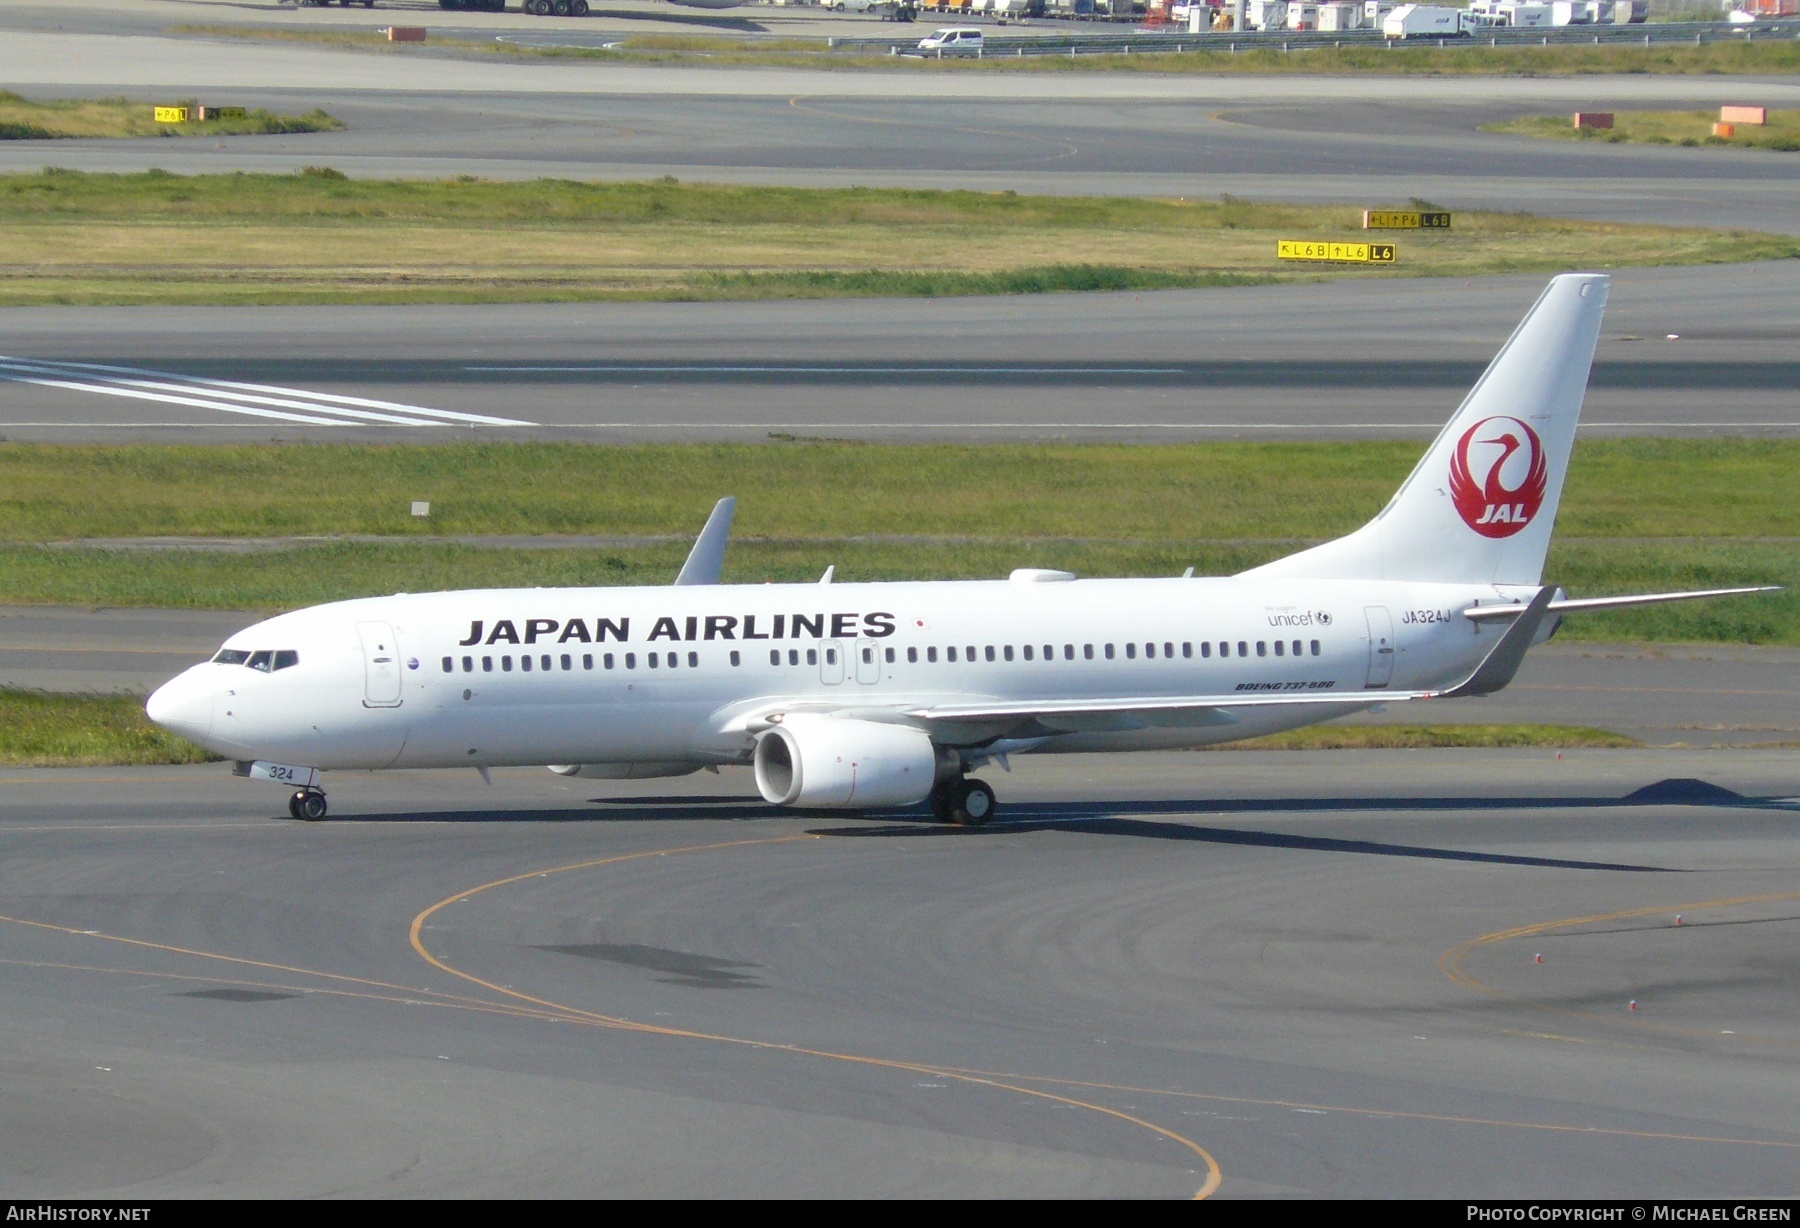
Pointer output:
965, 802
307, 804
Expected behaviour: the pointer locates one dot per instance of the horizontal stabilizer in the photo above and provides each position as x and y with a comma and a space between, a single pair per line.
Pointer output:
1482, 613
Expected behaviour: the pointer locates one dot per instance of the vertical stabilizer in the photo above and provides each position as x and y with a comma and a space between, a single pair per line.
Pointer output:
1479, 507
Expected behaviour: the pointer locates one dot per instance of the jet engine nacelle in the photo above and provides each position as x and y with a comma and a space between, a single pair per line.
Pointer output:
813, 760
626, 771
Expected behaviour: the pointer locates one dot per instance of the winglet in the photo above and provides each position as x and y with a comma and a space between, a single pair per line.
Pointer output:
1504, 658
708, 554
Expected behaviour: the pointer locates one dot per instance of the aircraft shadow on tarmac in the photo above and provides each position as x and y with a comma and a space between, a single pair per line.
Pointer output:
1152, 830
1140, 818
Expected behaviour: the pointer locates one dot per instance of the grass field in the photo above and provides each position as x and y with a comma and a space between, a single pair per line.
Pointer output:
1659, 489
1781, 133
1638, 515
22, 119
1770, 56
44, 730
317, 237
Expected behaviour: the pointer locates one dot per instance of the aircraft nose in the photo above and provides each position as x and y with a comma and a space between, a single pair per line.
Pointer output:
184, 706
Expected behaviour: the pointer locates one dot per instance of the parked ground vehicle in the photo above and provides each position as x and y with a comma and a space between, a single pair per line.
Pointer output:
1426, 21
952, 40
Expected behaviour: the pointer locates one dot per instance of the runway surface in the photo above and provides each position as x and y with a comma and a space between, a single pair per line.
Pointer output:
1360, 139
1163, 975
1330, 361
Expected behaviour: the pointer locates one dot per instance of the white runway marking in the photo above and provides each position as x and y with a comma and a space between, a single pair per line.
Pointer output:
265, 401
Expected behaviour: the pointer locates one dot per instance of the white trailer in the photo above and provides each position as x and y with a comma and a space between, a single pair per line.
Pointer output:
1523, 14
1266, 15
1337, 17
1426, 21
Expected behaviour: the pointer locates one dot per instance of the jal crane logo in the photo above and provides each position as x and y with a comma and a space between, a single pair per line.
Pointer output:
1498, 476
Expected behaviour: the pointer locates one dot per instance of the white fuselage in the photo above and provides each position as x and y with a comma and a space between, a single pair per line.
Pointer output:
670, 676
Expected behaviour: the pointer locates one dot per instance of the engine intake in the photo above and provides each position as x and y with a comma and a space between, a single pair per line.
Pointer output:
814, 760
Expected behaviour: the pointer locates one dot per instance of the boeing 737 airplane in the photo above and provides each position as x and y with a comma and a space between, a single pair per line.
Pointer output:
887, 695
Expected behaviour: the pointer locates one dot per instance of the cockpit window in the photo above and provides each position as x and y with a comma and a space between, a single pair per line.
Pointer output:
266, 660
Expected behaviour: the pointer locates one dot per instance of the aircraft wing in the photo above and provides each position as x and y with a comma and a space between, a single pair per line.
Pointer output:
708, 555
1495, 672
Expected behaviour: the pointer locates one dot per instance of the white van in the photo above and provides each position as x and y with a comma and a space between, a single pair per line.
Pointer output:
952, 40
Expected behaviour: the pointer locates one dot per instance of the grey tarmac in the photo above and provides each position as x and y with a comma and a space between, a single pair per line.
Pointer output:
1687, 351
1153, 965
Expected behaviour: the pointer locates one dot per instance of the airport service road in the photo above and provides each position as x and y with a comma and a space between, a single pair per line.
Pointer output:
1679, 694
1333, 361
1346, 138
1157, 965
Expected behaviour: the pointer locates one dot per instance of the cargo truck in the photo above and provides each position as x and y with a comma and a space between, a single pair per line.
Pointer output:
1426, 21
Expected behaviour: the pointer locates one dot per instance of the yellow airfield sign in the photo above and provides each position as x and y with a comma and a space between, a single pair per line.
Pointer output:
1401, 219
1335, 253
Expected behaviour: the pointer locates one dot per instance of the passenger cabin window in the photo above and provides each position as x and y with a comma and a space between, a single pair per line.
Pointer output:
506, 665
1006, 652
1262, 649
1243, 648
468, 665
606, 660
735, 659
1027, 652
1087, 652
1280, 648
694, 660
812, 656
449, 665
890, 654
1187, 649
1109, 652
912, 656
1315, 648
1206, 648
1130, 652
487, 665
774, 656
931, 654
587, 660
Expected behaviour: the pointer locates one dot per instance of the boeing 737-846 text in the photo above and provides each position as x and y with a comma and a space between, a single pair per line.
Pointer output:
887, 695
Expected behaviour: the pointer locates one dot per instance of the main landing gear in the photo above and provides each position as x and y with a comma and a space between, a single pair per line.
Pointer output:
307, 804
963, 801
